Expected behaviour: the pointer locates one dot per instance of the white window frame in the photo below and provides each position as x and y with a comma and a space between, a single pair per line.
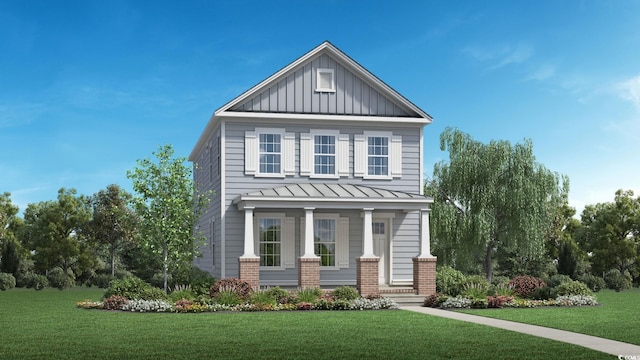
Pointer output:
307, 154
332, 87
252, 152
394, 155
341, 238
287, 239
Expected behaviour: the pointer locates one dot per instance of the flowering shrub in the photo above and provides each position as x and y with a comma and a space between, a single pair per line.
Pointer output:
87, 304
304, 306
431, 300
239, 287
498, 301
572, 287
457, 302
7, 281
375, 304
525, 285
114, 302
345, 293
146, 306
576, 300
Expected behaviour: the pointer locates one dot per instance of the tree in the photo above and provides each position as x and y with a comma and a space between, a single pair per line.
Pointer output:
611, 233
114, 222
168, 206
9, 226
490, 196
56, 230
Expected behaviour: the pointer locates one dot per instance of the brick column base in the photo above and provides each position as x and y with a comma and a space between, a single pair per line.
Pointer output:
308, 272
250, 271
424, 275
367, 276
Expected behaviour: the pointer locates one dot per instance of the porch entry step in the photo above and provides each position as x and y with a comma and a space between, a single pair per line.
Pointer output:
397, 290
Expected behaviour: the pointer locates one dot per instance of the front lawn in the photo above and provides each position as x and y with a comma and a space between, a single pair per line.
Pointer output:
47, 324
616, 318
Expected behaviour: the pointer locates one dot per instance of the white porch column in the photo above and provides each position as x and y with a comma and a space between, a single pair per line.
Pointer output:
249, 250
309, 252
425, 237
367, 234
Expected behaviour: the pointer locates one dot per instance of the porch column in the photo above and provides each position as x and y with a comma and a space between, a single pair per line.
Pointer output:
367, 278
424, 265
309, 262
249, 262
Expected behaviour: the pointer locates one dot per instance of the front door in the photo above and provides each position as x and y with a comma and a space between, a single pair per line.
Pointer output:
381, 248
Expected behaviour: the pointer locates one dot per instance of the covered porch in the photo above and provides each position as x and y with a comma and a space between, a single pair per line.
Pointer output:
312, 202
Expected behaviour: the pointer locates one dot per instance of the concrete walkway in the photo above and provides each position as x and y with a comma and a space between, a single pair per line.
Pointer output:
604, 345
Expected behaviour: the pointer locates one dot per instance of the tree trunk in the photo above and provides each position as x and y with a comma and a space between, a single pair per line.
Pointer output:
165, 267
113, 260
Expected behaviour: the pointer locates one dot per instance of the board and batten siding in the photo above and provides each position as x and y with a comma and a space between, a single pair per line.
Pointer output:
296, 93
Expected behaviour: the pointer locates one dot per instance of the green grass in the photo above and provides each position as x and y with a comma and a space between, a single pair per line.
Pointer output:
616, 318
47, 325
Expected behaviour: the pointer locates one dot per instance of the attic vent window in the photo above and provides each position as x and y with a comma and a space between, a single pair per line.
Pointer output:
325, 81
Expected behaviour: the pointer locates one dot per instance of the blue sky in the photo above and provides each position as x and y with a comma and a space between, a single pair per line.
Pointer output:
87, 87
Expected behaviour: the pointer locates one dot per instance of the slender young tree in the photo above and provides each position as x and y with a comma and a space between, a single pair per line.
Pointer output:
114, 222
168, 206
489, 196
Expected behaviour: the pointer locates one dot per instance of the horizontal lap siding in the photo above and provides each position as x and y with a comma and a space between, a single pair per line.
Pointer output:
295, 93
405, 245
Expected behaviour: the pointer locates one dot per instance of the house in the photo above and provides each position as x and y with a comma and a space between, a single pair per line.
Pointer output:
318, 178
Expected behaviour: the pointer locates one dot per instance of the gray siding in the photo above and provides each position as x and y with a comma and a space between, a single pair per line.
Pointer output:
296, 93
207, 177
405, 232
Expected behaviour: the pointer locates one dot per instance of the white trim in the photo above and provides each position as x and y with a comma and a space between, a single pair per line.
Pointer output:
283, 233
421, 165
332, 86
388, 216
389, 120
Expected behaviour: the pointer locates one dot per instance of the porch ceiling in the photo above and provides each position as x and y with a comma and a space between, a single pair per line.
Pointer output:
339, 196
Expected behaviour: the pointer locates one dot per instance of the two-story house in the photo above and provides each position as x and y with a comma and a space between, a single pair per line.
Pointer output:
318, 178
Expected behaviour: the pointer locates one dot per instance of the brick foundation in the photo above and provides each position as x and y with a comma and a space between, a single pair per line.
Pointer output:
424, 275
308, 272
250, 271
367, 277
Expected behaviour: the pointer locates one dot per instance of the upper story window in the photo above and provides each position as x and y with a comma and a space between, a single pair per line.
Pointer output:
324, 154
325, 80
377, 155
269, 152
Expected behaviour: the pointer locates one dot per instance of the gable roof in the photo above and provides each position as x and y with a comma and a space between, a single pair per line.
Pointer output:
404, 107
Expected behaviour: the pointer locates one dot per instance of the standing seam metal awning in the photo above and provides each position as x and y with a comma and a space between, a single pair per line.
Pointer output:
340, 196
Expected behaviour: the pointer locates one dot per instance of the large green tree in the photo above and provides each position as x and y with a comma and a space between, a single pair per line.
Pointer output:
488, 197
56, 231
611, 233
10, 223
169, 207
114, 222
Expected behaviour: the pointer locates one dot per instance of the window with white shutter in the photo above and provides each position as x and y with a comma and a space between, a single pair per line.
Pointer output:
324, 154
377, 155
269, 153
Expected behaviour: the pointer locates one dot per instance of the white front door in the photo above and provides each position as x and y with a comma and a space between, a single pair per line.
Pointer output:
381, 248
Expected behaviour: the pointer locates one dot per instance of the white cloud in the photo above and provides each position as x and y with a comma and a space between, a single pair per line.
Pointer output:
500, 56
630, 90
543, 72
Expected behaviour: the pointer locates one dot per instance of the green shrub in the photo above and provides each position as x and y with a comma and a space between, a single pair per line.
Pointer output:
59, 279
200, 281
478, 303
595, 283
543, 293
557, 279
157, 280
500, 280
525, 285
475, 286
102, 280
449, 281
134, 288
617, 281
227, 297
7, 281
278, 293
308, 295
240, 287
345, 293
182, 293
36, 281
501, 289
572, 287
262, 298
